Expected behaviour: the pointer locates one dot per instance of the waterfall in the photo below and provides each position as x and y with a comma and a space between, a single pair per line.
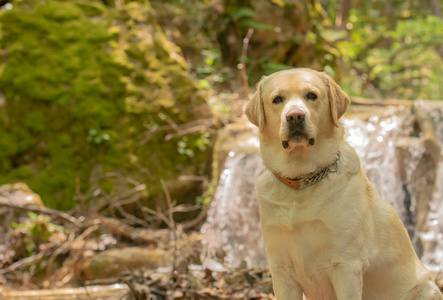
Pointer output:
394, 163
232, 230
394, 160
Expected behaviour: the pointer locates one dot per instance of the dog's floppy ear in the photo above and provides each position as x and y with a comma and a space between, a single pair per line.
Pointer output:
255, 110
338, 99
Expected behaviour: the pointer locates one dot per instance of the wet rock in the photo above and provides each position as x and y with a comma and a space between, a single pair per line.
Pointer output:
235, 137
421, 180
424, 122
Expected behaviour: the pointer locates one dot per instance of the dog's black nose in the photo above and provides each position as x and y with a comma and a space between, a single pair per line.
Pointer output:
295, 116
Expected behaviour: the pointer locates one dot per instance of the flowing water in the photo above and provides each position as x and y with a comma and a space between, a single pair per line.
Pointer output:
395, 161
232, 230
378, 142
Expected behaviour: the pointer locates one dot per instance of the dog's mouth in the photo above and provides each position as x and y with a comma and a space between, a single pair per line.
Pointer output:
298, 137
285, 144
296, 134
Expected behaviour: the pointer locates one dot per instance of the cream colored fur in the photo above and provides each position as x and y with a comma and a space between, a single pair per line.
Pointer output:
336, 239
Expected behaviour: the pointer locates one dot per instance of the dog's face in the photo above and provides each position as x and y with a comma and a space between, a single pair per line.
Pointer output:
296, 107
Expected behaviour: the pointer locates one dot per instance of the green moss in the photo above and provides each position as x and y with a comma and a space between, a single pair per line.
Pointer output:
81, 83
22, 173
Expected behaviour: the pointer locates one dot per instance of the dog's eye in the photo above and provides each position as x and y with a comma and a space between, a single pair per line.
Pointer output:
277, 100
311, 96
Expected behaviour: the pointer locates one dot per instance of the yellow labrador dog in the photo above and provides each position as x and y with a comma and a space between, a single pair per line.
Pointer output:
328, 234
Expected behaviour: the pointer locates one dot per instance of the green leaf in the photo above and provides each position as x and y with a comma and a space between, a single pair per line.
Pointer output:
242, 12
249, 23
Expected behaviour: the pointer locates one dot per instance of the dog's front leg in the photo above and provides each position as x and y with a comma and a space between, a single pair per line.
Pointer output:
286, 289
347, 280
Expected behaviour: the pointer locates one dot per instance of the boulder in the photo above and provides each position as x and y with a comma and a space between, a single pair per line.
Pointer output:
19, 194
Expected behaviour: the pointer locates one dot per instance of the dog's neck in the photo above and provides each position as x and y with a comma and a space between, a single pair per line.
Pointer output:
304, 159
309, 179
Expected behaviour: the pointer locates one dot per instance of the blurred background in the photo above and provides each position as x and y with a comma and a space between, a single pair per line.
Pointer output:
121, 121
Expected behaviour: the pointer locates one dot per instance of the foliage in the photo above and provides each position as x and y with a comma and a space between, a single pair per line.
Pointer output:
399, 60
90, 92
286, 34
35, 231
386, 49
32, 237
189, 25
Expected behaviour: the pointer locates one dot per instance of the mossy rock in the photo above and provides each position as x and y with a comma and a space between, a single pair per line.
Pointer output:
88, 95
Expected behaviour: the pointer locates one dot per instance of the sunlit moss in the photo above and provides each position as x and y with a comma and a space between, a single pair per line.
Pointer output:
81, 83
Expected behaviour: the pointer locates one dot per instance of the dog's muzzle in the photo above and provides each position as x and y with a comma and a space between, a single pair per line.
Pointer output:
295, 120
296, 126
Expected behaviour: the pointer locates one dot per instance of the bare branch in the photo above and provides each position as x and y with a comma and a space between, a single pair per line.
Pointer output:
242, 65
46, 211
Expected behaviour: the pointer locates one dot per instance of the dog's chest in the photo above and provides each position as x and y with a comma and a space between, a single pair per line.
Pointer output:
305, 244
300, 248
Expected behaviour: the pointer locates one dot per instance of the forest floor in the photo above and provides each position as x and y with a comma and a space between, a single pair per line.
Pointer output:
46, 249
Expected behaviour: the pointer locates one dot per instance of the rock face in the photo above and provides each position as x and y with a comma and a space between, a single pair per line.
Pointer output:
93, 97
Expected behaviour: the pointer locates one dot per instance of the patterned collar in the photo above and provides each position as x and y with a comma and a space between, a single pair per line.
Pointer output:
309, 179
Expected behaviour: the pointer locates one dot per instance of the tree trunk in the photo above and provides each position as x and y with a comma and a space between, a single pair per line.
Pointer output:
435, 8
436, 11
343, 14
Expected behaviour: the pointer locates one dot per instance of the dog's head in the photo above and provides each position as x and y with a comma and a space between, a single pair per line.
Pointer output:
296, 107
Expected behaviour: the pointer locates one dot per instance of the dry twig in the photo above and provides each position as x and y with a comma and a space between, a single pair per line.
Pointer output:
172, 226
46, 211
137, 235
